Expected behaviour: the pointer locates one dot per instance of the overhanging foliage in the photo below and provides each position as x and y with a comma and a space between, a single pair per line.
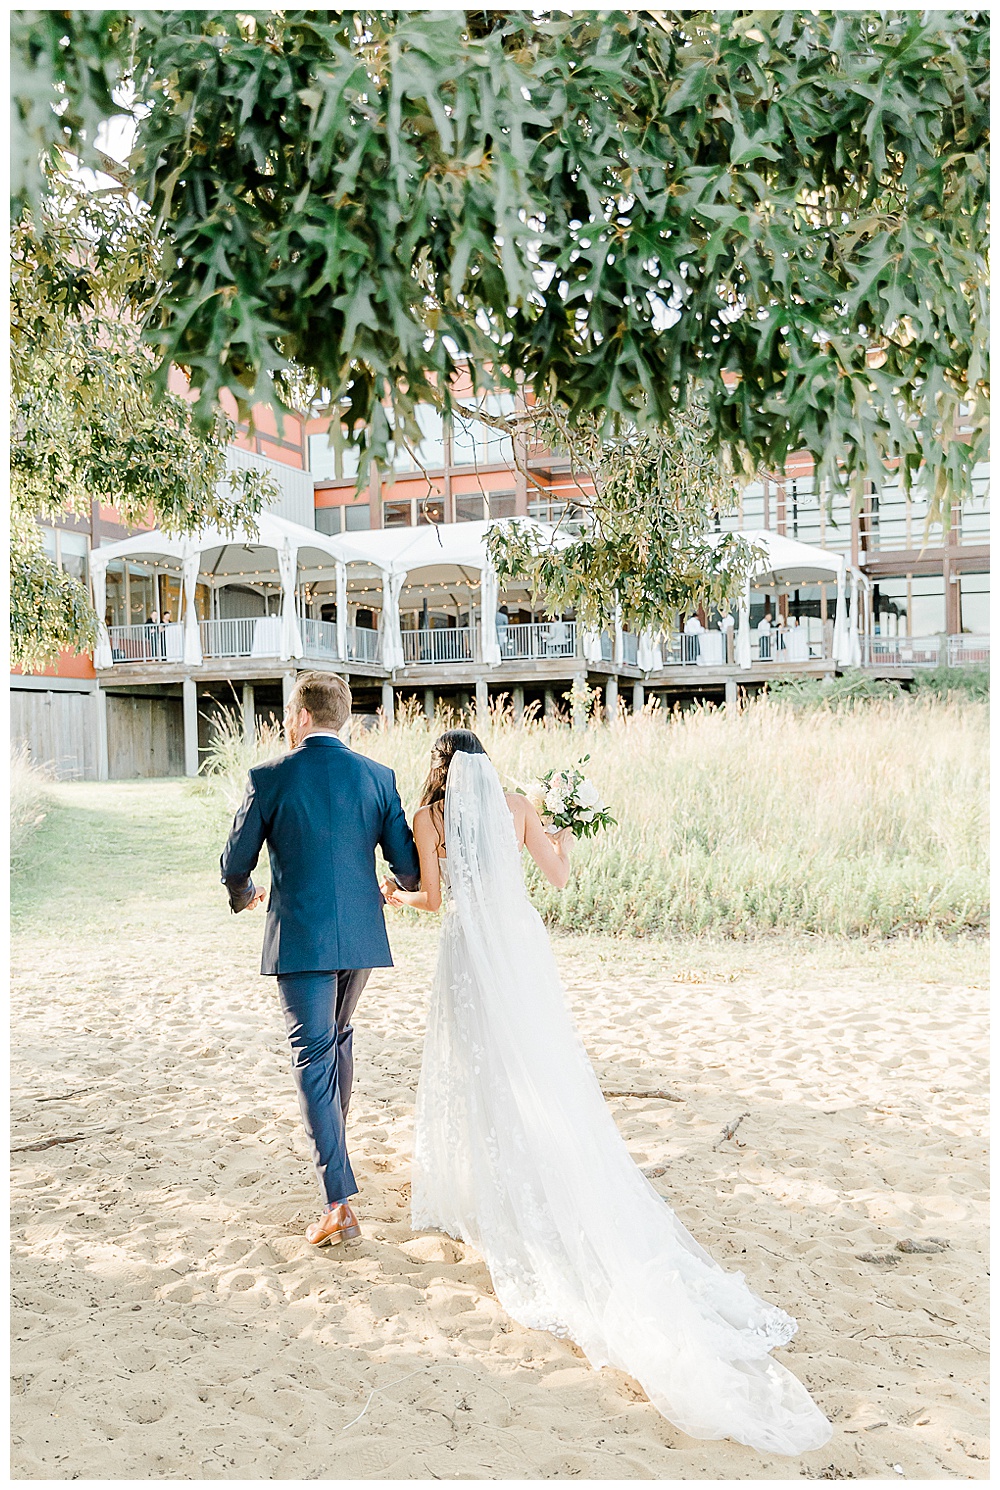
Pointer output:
616, 207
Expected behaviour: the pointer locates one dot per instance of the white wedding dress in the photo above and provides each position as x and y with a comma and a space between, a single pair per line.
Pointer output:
516, 1153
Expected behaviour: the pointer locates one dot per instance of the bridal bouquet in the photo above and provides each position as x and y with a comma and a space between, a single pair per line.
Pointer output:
567, 799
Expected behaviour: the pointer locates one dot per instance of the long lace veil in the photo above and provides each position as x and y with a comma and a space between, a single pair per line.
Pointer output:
517, 1153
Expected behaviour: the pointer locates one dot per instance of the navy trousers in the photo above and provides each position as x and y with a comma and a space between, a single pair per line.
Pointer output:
318, 1009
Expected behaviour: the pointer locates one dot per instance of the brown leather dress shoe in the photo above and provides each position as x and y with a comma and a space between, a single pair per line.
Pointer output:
338, 1225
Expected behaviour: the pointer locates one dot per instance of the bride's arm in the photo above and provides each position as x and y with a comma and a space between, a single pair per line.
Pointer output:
428, 897
550, 852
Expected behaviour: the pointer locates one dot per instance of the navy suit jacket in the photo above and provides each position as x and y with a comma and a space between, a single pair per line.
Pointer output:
322, 809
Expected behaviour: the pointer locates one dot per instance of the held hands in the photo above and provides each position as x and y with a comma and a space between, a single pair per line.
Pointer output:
259, 897
391, 892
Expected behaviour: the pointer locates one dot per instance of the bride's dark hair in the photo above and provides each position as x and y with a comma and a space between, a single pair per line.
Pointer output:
445, 746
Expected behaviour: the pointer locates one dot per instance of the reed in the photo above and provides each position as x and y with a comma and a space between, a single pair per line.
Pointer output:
867, 819
28, 802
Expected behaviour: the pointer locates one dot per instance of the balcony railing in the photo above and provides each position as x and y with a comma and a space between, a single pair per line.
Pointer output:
966, 650
537, 641
156, 642
924, 651
242, 636
438, 644
362, 644
319, 638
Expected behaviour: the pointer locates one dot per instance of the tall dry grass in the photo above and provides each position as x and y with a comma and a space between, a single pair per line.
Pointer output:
28, 802
869, 820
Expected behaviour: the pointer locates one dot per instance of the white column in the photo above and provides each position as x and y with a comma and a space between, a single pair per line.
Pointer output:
429, 702
192, 633
732, 696
249, 714
518, 703
489, 599
291, 636
853, 640
341, 610
611, 700
189, 692
482, 703
841, 652
101, 707
388, 702
638, 698
99, 580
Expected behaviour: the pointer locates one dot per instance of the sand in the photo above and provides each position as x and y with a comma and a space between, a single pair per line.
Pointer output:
170, 1321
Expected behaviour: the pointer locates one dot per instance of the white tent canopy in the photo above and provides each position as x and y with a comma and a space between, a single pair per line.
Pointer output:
286, 555
785, 561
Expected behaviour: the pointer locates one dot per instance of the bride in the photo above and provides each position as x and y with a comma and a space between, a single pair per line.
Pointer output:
515, 1151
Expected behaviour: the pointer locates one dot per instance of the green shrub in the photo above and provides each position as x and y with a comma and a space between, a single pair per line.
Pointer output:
947, 682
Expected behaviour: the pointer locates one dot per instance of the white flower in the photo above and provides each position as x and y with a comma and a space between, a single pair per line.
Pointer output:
587, 794
587, 816
554, 801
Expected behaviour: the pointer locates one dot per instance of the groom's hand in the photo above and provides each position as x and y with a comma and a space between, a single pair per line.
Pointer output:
259, 896
389, 890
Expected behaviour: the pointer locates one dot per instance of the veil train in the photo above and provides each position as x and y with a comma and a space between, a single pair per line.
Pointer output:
516, 1153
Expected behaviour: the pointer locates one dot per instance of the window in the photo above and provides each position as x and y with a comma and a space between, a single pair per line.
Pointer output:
329, 519
73, 554
891, 607
397, 514
430, 451
975, 597
753, 505
802, 510
430, 510
927, 605
549, 510
477, 444
502, 503
114, 613
975, 518
330, 455
66, 549
889, 526
141, 594
469, 508
357, 519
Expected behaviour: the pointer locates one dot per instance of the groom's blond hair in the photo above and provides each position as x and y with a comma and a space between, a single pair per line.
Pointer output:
326, 697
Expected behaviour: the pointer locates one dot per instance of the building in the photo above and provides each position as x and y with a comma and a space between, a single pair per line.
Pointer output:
387, 587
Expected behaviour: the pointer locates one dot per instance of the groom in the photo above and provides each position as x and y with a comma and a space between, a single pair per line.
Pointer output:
321, 809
